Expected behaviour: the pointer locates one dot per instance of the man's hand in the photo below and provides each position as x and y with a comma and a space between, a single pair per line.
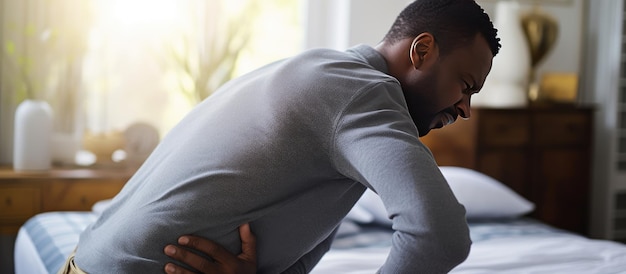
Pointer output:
223, 260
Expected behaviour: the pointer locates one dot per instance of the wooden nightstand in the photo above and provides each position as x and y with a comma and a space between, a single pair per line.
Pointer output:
542, 152
24, 194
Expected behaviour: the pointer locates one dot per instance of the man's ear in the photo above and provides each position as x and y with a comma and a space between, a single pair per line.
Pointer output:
424, 50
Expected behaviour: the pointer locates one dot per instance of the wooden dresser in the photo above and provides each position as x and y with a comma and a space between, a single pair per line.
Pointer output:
543, 153
24, 194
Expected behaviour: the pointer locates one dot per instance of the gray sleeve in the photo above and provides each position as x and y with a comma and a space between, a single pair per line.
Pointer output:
306, 263
377, 144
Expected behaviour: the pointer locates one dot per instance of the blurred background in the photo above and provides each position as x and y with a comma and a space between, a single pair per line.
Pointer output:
109, 69
103, 65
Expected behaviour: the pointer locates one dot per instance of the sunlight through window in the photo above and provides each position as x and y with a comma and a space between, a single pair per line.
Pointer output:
152, 61
104, 65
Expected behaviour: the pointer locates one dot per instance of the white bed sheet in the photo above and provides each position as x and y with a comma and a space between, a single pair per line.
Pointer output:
45, 241
26, 256
517, 246
538, 254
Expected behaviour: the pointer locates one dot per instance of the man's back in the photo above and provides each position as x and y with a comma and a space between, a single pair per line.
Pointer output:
260, 150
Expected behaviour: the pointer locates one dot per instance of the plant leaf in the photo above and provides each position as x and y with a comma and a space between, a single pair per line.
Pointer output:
9, 48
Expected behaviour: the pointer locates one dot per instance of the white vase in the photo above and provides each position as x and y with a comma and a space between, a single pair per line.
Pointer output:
507, 83
32, 136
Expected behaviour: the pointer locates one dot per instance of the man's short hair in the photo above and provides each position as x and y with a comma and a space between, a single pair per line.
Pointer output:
453, 23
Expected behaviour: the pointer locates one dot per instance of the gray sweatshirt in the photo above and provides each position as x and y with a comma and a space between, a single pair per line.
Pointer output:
289, 148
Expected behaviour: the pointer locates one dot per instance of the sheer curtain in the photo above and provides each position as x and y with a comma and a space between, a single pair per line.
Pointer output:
104, 65
42, 50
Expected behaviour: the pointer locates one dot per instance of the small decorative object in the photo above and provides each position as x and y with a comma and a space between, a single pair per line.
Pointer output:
32, 136
65, 146
141, 139
541, 31
559, 87
507, 84
103, 145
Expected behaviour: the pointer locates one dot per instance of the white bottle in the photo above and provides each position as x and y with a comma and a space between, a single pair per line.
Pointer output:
32, 136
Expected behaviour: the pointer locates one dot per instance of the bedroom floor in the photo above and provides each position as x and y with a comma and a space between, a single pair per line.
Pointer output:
6, 251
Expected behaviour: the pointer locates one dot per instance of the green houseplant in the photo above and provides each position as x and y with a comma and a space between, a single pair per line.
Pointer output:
205, 58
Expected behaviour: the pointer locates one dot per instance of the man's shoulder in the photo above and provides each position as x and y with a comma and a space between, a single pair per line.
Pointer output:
334, 67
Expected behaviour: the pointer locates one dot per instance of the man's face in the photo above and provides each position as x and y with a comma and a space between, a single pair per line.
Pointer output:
439, 93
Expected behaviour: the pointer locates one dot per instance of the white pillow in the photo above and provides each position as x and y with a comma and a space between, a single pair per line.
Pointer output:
101, 206
360, 214
371, 203
482, 196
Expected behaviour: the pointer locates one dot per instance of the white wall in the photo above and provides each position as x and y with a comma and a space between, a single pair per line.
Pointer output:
370, 20
340, 24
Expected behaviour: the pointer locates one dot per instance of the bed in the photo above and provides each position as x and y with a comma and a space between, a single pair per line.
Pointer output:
504, 239
512, 246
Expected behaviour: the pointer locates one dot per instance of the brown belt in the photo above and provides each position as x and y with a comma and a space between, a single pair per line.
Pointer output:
70, 267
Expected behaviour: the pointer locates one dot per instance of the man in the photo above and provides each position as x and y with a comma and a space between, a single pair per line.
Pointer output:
288, 149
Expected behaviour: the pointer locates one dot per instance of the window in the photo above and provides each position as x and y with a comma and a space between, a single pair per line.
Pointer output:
106, 64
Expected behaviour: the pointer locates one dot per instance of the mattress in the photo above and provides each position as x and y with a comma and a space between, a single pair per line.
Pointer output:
518, 245
47, 239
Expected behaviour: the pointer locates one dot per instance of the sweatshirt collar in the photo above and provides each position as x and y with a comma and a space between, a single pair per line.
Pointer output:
371, 56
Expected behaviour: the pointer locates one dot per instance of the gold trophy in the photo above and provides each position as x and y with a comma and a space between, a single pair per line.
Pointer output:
541, 32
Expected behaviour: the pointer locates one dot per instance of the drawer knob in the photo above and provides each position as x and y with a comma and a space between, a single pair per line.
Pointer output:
8, 201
